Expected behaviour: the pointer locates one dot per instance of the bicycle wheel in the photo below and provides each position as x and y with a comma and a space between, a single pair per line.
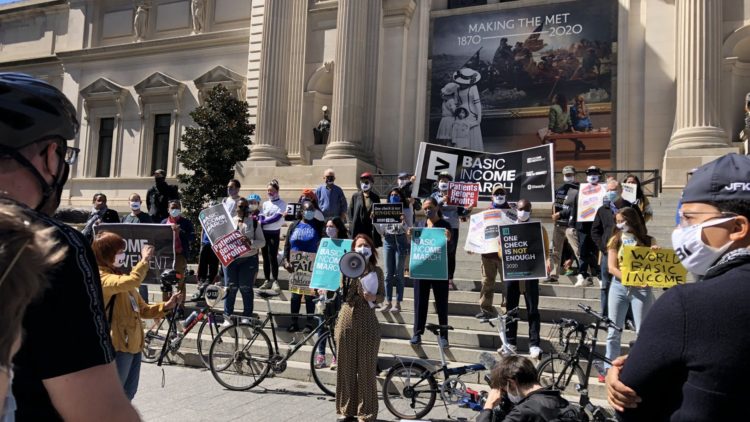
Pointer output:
240, 357
409, 390
324, 369
154, 336
211, 325
558, 372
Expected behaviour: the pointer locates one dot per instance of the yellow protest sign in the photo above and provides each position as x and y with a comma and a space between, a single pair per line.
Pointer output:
643, 266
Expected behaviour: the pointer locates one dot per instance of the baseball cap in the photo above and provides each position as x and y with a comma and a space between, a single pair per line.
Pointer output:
498, 189
366, 175
568, 170
403, 175
724, 179
593, 170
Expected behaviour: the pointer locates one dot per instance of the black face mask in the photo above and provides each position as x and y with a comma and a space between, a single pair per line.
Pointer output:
51, 193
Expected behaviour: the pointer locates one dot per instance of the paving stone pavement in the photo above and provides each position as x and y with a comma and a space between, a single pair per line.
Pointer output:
191, 394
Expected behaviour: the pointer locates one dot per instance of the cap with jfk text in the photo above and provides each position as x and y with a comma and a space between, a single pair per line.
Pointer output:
724, 179
569, 170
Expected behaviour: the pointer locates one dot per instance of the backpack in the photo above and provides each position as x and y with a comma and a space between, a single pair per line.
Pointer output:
571, 413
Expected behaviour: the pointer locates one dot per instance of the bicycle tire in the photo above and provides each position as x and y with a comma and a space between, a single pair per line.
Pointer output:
558, 372
401, 397
240, 357
153, 342
325, 374
204, 349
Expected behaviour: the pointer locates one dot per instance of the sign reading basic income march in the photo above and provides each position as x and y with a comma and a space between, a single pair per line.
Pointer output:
387, 213
429, 254
643, 266
326, 273
522, 248
463, 194
227, 243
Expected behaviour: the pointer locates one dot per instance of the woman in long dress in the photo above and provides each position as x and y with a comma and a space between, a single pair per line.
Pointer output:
468, 97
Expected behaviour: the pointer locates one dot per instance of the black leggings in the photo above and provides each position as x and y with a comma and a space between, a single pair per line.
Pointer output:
452, 247
531, 296
208, 264
271, 255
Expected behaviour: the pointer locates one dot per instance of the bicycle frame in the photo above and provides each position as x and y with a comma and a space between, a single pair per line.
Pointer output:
205, 312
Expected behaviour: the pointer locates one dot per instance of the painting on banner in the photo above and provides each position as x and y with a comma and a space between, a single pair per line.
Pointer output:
523, 252
160, 236
326, 273
387, 213
227, 243
302, 269
590, 198
525, 173
484, 230
643, 266
428, 259
463, 194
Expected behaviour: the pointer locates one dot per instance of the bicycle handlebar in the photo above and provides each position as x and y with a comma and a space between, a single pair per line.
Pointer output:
599, 317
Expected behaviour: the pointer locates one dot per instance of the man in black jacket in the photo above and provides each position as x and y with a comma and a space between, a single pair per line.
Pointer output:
690, 360
361, 208
159, 195
100, 213
563, 199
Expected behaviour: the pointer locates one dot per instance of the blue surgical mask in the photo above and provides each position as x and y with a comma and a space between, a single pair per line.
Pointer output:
611, 196
394, 199
308, 215
429, 213
175, 212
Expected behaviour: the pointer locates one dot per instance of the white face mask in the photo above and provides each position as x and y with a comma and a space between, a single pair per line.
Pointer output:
623, 227
253, 207
569, 178
592, 179
365, 186
498, 199
695, 255
331, 232
135, 206
514, 398
120, 260
524, 215
364, 251
443, 185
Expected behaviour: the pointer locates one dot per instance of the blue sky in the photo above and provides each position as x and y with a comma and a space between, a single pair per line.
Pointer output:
8, 1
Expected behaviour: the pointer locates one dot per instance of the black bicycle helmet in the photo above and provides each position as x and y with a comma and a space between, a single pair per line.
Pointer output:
32, 110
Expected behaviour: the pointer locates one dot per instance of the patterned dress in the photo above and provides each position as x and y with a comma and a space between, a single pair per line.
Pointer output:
357, 341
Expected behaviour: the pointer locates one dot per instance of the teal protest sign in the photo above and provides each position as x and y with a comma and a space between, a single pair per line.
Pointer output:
429, 254
326, 274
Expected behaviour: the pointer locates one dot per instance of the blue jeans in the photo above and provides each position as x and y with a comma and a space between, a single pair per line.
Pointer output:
129, 371
620, 297
394, 247
606, 279
240, 275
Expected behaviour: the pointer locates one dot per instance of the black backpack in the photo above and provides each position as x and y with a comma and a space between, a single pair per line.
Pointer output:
571, 413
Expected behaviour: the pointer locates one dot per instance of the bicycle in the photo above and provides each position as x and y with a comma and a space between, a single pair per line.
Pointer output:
410, 389
242, 355
563, 371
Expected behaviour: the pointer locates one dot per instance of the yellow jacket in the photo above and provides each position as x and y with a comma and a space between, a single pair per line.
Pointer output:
127, 331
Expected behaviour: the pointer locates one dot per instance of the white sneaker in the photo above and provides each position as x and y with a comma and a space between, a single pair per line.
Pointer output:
599, 280
245, 320
227, 323
509, 351
266, 285
535, 352
386, 308
580, 281
275, 287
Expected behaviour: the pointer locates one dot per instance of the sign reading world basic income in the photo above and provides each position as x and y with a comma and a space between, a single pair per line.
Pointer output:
326, 273
643, 266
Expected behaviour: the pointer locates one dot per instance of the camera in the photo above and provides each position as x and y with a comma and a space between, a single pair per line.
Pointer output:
169, 279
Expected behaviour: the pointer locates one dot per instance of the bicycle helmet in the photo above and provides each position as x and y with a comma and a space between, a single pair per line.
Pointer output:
32, 110
254, 197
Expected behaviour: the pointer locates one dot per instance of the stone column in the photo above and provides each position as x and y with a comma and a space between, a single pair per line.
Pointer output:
298, 34
348, 105
270, 134
697, 122
372, 58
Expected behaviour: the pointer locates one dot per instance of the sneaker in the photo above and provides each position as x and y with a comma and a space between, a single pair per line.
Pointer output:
483, 315
629, 325
275, 286
443, 342
451, 285
334, 363
511, 350
535, 352
227, 322
292, 328
580, 280
320, 361
266, 285
416, 339
245, 320
386, 308
551, 280
396, 307
598, 280
589, 281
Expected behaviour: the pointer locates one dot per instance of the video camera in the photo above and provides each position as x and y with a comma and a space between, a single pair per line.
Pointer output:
169, 279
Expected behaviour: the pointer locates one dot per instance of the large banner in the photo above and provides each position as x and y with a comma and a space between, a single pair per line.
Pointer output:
326, 273
227, 243
299, 280
429, 254
523, 251
484, 230
525, 173
160, 236
642, 266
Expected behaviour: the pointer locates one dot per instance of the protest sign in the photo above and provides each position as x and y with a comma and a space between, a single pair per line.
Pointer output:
484, 230
326, 273
429, 254
160, 236
525, 173
642, 266
292, 209
463, 194
302, 265
387, 213
227, 243
629, 192
590, 198
522, 251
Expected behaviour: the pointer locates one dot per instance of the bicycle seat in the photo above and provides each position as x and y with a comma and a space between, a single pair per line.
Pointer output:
267, 294
435, 328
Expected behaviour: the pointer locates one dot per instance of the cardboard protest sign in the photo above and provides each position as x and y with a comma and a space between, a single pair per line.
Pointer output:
429, 254
227, 243
590, 198
642, 266
629, 191
299, 280
160, 236
387, 213
522, 251
484, 230
292, 209
326, 273
463, 194
475, 241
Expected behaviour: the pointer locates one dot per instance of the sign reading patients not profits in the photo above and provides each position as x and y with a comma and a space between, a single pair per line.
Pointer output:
302, 266
643, 266
428, 259
387, 213
463, 194
136, 236
326, 273
522, 249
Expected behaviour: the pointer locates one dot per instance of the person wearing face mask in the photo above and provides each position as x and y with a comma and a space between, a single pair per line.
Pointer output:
395, 250
491, 263
233, 195
641, 200
136, 216
405, 184
208, 263
100, 213
309, 196
271, 219
50, 383
454, 215
240, 274
563, 200
303, 235
124, 306
184, 233
361, 210
689, 360
357, 335
159, 195
516, 396
331, 197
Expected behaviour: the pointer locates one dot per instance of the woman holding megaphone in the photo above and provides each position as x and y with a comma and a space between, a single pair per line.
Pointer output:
358, 338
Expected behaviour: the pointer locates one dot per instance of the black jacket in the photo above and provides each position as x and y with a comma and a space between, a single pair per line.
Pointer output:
157, 200
542, 405
604, 223
359, 215
564, 196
